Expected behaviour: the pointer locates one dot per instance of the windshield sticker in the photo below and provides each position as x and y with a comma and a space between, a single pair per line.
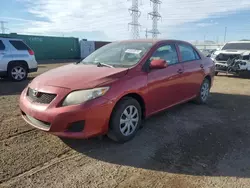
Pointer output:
133, 51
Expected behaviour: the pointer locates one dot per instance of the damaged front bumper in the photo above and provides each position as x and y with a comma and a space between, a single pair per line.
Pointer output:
235, 65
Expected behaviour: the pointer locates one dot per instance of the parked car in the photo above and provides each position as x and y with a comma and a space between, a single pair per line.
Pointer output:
208, 52
233, 58
113, 89
16, 59
205, 52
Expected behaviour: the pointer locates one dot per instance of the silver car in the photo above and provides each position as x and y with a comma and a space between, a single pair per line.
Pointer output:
16, 59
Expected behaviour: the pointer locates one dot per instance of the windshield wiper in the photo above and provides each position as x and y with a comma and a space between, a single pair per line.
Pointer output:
99, 64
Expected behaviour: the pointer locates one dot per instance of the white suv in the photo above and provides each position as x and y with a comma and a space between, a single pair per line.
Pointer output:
233, 57
16, 59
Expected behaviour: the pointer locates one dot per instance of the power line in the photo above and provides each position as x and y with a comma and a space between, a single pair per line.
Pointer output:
155, 16
135, 13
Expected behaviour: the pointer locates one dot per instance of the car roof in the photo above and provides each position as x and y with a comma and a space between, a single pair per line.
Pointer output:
154, 41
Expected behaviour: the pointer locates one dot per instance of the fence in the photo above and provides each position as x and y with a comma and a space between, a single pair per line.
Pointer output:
208, 46
48, 47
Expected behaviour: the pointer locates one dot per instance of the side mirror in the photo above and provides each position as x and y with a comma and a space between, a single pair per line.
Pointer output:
209, 55
158, 64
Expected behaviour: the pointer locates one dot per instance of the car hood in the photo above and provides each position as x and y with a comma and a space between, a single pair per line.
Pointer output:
78, 76
238, 52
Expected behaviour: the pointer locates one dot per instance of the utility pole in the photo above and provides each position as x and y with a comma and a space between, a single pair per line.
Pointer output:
146, 33
155, 16
2, 26
204, 41
225, 34
135, 13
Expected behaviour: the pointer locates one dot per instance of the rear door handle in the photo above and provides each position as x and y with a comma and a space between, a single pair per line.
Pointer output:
180, 71
202, 66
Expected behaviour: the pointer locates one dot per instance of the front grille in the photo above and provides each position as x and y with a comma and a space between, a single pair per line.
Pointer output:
218, 65
40, 97
225, 57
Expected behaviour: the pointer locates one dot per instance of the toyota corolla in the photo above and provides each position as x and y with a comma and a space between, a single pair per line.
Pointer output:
112, 90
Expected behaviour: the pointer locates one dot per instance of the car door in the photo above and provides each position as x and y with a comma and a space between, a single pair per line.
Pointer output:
3, 57
164, 85
193, 69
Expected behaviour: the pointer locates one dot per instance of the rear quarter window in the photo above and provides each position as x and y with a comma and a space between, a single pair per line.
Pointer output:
19, 45
2, 47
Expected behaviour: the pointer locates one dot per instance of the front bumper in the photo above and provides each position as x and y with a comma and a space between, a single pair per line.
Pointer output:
33, 70
92, 117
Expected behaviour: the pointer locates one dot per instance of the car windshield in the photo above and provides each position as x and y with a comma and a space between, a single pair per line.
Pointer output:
236, 46
119, 54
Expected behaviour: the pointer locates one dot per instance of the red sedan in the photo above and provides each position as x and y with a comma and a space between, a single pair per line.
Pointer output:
113, 89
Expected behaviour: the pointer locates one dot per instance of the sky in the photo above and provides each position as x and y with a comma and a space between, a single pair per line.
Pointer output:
107, 20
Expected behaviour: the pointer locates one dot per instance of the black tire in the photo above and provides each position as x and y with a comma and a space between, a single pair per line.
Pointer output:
20, 66
216, 73
200, 99
115, 132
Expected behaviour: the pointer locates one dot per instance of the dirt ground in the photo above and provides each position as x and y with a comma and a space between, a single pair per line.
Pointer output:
189, 146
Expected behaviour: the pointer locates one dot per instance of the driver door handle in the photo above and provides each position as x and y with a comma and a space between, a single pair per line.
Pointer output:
202, 66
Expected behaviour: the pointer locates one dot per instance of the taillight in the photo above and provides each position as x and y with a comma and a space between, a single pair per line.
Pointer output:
31, 52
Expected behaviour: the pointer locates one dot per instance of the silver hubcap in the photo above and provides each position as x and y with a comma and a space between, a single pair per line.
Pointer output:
205, 91
129, 120
18, 73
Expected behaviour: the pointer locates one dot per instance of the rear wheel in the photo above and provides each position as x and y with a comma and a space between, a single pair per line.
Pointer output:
216, 73
17, 72
204, 92
125, 120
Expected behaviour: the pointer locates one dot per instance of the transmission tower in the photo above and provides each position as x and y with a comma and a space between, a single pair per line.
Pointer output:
2, 26
155, 16
135, 13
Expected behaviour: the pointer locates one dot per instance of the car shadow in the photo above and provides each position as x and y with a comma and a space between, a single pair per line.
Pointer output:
211, 140
8, 87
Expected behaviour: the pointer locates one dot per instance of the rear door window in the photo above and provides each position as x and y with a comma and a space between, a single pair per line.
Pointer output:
19, 45
188, 53
2, 47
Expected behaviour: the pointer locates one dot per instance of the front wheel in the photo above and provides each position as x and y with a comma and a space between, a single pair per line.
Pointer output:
204, 92
125, 120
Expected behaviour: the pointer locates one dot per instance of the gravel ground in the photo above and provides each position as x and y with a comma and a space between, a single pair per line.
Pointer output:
187, 146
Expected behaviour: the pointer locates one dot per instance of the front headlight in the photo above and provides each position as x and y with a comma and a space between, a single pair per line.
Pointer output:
213, 56
81, 96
